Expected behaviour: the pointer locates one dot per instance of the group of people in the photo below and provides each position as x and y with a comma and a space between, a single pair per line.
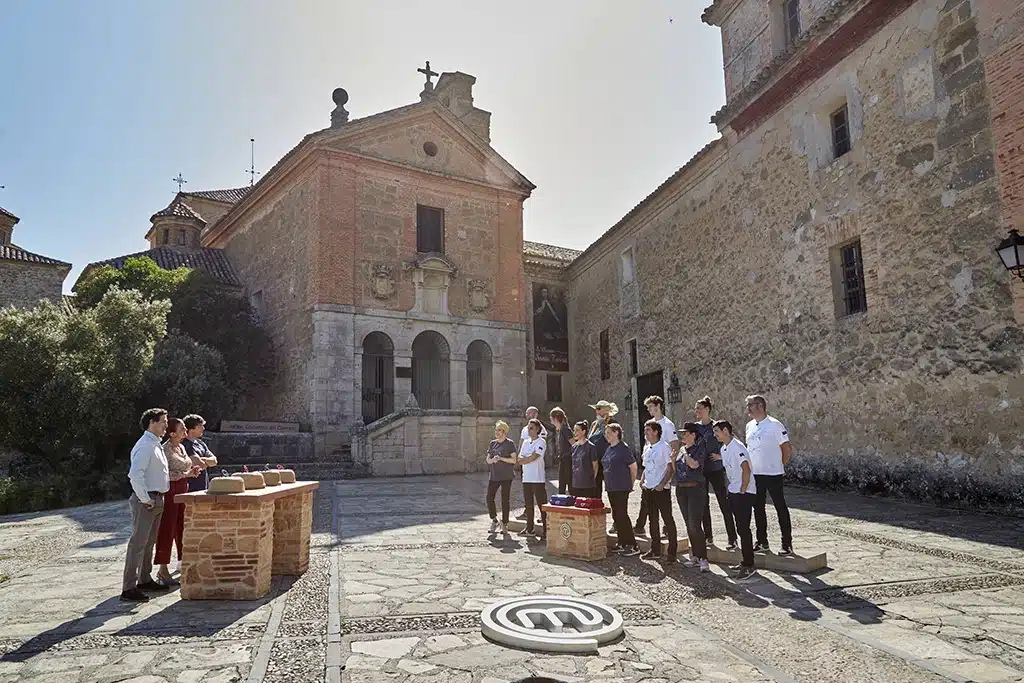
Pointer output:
169, 459
702, 457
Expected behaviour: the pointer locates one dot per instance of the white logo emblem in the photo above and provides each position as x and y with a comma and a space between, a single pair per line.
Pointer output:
565, 530
551, 623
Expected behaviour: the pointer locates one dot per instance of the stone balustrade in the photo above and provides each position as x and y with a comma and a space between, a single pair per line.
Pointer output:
234, 542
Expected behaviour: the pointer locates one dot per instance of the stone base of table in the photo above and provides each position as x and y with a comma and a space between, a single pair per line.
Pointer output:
577, 532
230, 546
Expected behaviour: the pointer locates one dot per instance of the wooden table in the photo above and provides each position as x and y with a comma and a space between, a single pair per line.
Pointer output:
234, 542
579, 533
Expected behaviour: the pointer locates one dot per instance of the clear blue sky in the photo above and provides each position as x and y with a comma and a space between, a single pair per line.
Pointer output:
103, 103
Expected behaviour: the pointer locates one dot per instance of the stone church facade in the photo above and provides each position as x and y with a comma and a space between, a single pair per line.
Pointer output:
26, 278
834, 248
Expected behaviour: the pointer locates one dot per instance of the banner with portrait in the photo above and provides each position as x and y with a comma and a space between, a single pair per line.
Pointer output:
550, 328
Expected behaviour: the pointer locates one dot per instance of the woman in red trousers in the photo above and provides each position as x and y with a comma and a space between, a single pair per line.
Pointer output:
172, 522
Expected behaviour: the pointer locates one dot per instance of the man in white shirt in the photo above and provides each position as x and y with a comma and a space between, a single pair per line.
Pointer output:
658, 460
742, 493
770, 451
524, 436
656, 407
531, 457
150, 480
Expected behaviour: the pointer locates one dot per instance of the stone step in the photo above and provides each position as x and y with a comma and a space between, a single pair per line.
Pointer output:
306, 471
802, 563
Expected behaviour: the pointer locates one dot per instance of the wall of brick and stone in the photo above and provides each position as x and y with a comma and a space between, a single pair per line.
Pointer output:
922, 390
24, 284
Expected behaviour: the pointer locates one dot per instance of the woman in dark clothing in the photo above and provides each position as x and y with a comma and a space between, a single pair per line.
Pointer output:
584, 463
714, 475
501, 458
691, 492
561, 441
619, 478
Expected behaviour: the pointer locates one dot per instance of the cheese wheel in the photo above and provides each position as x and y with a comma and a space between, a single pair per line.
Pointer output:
272, 477
226, 485
253, 480
287, 476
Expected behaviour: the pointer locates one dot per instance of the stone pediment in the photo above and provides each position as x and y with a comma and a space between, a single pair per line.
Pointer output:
433, 262
427, 136
432, 275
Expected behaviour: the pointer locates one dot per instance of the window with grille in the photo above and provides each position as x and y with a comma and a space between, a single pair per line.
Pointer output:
429, 230
840, 121
851, 264
181, 238
791, 20
555, 388
634, 364
606, 360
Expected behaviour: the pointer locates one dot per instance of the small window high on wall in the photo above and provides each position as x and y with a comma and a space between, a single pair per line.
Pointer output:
840, 125
429, 229
628, 266
606, 361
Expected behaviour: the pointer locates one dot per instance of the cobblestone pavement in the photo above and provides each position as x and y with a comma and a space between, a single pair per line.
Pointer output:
400, 569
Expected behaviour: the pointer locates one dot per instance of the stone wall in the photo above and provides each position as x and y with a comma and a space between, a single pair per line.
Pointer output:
258, 449
24, 284
413, 441
926, 382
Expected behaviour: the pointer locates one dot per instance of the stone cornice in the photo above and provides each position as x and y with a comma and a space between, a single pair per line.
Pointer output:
824, 44
716, 11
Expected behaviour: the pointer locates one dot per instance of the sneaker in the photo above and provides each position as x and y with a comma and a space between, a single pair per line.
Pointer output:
786, 552
494, 526
616, 549
612, 531
650, 556
746, 574
153, 586
761, 548
639, 531
704, 566
631, 552
691, 562
671, 559
735, 567
709, 541
525, 532
732, 547
134, 595
522, 516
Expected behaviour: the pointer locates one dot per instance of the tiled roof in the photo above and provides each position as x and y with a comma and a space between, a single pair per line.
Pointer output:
179, 209
213, 262
550, 251
5, 212
67, 303
11, 252
231, 196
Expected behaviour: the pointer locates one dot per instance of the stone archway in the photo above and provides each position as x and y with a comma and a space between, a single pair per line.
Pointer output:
479, 375
431, 383
378, 392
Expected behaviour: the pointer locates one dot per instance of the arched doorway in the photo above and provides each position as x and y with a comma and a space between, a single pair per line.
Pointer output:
478, 375
378, 377
430, 380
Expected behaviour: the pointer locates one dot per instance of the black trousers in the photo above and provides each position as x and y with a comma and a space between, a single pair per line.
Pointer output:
742, 505
599, 480
583, 493
645, 505
535, 493
659, 510
564, 474
771, 484
620, 515
691, 501
720, 483
506, 491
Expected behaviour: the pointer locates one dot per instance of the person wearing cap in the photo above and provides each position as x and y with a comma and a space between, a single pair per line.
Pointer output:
714, 473
770, 451
604, 412
691, 492
620, 478
524, 436
656, 407
654, 484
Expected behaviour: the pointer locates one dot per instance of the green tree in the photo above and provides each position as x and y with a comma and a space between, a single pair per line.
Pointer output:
140, 273
187, 377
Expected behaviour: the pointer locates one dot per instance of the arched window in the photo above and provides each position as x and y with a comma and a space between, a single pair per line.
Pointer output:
430, 380
478, 375
378, 377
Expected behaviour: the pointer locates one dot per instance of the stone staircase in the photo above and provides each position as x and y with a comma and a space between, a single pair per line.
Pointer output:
339, 465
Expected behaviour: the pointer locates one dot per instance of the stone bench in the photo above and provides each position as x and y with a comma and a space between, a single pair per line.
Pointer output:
234, 542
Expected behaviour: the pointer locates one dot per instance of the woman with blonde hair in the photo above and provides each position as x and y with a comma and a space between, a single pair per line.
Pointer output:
172, 522
501, 460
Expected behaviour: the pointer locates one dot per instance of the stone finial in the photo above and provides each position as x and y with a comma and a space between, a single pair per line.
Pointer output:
340, 115
411, 402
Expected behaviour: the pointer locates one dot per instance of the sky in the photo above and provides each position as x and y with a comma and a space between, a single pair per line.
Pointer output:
104, 103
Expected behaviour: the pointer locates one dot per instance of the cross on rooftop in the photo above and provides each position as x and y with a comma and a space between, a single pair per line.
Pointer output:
428, 73
180, 180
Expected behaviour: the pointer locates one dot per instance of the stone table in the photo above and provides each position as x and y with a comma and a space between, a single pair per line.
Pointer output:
234, 542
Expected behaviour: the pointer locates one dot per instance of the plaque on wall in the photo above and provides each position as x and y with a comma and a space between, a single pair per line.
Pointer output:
550, 328
403, 373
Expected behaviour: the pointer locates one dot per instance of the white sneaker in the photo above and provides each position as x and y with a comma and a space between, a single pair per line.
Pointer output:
691, 562
704, 566
494, 525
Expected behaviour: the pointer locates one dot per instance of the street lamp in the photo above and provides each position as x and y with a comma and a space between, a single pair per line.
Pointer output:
629, 399
1011, 252
675, 394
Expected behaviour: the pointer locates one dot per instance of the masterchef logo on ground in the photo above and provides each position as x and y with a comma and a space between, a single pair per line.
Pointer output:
550, 623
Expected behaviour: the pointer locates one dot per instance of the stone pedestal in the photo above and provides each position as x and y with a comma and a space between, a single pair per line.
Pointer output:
577, 532
230, 546
293, 526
